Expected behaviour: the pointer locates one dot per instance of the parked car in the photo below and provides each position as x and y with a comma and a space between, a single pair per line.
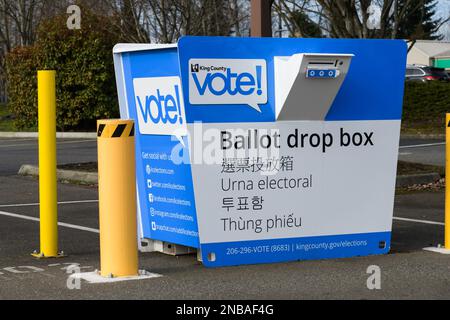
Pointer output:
425, 73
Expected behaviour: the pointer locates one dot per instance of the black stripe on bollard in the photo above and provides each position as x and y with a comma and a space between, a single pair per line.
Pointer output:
110, 129
119, 130
100, 130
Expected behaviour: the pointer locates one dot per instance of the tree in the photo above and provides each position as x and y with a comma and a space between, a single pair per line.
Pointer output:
420, 22
349, 19
130, 18
159, 21
85, 83
294, 16
397, 18
165, 21
18, 21
362, 18
305, 25
18, 24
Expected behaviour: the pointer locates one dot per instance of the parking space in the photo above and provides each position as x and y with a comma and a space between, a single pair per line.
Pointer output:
184, 278
407, 272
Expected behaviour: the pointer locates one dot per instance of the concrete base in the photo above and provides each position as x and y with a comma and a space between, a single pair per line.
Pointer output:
95, 277
41, 255
148, 245
440, 250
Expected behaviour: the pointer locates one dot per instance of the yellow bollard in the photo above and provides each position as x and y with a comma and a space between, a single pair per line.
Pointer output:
117, 198
447, 184
47, 165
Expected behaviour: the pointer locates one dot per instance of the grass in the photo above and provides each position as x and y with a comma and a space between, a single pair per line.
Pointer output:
405, 168
85, 167
6, 122
421, 128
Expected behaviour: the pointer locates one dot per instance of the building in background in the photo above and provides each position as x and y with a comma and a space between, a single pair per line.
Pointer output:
430, 53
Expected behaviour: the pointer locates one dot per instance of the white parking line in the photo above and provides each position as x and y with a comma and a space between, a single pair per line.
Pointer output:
62, 224
422, 145
37, 203
420, 221
14, 140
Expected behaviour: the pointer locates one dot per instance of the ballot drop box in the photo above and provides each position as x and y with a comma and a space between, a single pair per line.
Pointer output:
260, 150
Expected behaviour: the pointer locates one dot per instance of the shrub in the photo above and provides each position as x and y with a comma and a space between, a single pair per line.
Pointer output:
85, 83
22, 81
425, 104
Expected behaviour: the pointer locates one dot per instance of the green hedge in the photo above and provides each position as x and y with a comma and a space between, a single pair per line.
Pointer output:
85, 73
425, 105
21, 74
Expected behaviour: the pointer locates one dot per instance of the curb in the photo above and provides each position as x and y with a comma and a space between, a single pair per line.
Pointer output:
412, 179
59, 135
92, 178
62, 175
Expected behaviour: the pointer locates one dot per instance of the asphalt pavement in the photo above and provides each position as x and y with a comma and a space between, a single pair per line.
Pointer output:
15, 152
426, 151
407, 272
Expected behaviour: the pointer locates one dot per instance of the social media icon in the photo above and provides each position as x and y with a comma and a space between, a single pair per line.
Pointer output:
152, 212
150, 197
149, 183
147, 169
153, 226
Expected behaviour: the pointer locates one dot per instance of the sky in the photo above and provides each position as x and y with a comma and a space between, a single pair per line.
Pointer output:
443, 11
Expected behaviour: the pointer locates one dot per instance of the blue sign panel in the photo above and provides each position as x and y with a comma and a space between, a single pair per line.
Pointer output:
165, 190
381, 92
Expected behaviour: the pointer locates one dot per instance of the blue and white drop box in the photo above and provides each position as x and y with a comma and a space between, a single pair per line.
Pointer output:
259, 150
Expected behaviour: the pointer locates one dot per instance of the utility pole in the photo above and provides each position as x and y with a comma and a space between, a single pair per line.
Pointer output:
261, 19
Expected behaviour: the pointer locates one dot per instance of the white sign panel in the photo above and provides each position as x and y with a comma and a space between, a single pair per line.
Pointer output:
316, 178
